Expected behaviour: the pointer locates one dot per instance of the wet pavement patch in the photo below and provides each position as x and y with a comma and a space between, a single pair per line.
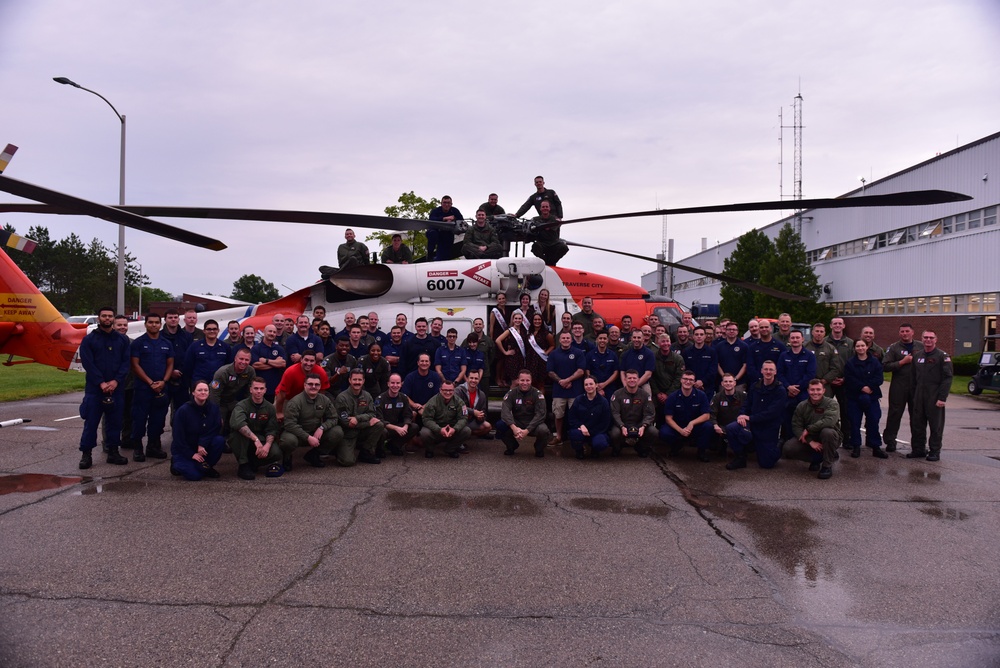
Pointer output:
116, 487
946, 513
616, 506
21, 483
503, 505
925, 476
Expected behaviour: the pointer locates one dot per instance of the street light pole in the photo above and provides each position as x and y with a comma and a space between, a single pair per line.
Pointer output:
121, 192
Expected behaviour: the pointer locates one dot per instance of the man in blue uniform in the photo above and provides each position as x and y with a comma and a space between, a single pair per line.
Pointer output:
205, 356
104, 354
152, 365
732, 354
269, 361
590, 420
767, 348
759, 422
602, 366
177, 386
796, 367
450, 361
565, 367
303, 339
703, 360
686, 414
440, 242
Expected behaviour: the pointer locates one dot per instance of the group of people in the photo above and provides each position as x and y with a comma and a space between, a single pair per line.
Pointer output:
360, 394
481, 240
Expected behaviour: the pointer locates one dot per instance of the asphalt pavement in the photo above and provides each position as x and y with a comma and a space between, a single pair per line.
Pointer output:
496, 561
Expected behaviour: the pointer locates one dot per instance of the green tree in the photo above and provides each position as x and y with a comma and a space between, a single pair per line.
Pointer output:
787, 269
414, 207
753, 250
254, 289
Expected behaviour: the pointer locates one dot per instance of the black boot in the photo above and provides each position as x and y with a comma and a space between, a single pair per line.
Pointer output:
877, 452
739, 462
138, 454
114, 457
86, 460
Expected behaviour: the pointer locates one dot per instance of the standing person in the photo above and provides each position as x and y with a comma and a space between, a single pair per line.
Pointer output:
376, 370
933, 373
603, 367
639, 358
234, 334
172, 331
205, 355
121, 326
524, 307
397, 252
632, 416
253, 434
540, 344
759, 422
522, 414
439, 241
899, 362
450, 360
784, 329
541, 194
796, 367
668, 365
445, 422
844, 346
301, 340
829, 365
268, 360
475, 359
586, 315
152, 365
191, 325
231, 384
767, 348
547, 309
565, 367
104, 354
293, 382
589, 421
863, 387
352, 253
816, 431
486, 346
419, 344
732, 354
874, 349
703, 360
686, 415
197, 444
512, 349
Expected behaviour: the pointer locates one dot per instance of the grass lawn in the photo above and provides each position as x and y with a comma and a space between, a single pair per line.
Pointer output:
26, 381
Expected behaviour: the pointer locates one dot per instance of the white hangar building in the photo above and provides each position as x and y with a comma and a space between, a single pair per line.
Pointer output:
935, 267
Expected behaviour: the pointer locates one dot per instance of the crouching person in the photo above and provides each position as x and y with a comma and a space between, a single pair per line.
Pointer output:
632, 414
362, 430
197, 438
589, 421
816, 426
445, 420
522, 414
686, 415
253, 434
393, 408
310, 422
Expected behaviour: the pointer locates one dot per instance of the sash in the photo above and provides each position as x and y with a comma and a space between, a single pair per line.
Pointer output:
517, 337
499, 316
538, 349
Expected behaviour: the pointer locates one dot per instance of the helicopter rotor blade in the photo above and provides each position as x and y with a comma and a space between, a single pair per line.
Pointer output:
264, 215
735, 282
906, 198
75, 206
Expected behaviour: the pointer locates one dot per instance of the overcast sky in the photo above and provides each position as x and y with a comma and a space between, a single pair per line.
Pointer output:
343, 106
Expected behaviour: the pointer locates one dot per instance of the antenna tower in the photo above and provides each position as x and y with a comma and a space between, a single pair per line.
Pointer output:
797, 134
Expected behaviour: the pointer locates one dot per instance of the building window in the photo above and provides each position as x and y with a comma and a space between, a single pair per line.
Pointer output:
974, 219
990, 302
948, 223
989, 216
960, 221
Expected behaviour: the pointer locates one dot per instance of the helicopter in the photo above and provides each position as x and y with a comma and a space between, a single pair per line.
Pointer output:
458, 291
